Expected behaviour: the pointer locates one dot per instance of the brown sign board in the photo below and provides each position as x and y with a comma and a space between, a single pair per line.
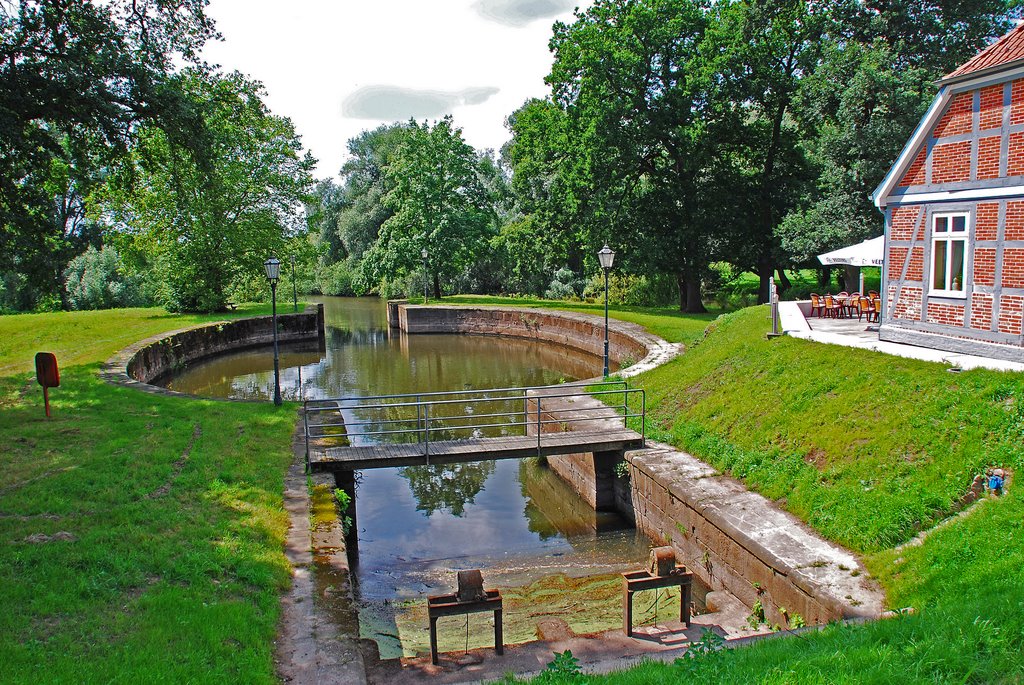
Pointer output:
46, 370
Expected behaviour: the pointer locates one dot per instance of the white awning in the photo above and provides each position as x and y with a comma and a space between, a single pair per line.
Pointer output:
868, 253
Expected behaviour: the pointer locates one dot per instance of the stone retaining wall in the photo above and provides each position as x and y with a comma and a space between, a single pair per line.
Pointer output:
151, 359
735, 539
628, 344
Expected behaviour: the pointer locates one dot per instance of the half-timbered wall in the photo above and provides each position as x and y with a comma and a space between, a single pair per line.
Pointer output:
977, 143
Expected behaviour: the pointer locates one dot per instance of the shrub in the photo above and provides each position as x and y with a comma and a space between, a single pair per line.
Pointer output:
566, 285
95, 279
334, 279
634, 291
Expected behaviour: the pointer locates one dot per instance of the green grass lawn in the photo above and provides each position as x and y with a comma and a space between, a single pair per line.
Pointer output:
141, 535
870, 450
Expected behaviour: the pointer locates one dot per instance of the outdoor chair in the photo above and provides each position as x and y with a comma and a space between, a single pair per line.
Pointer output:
832, 308
851, 304
817, 306
877, 305
865, 307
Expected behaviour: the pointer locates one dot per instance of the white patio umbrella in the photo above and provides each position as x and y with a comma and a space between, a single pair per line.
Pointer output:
867, 253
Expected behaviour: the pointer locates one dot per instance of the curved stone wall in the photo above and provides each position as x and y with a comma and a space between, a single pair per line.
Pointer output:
629, 344
149, 360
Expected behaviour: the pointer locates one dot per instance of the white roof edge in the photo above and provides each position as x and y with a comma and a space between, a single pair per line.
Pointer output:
946, 91
909, 151
960, 195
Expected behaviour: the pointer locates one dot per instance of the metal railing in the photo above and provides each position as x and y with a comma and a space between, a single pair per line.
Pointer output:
427, 417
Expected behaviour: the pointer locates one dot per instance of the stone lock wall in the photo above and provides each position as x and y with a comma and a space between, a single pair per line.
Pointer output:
735, 540
155, 358
578, 331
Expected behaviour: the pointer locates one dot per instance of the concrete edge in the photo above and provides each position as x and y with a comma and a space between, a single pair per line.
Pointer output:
658, 350
310, 649
710, 511
115, 369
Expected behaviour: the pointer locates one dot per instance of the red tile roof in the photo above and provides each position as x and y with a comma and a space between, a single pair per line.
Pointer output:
1009, 48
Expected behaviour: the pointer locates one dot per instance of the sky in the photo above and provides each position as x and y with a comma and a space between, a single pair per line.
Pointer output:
338, 67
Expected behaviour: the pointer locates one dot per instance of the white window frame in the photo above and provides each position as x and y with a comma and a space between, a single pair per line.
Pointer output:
949, 237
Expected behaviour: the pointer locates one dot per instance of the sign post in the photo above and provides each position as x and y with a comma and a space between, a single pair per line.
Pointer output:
47, 375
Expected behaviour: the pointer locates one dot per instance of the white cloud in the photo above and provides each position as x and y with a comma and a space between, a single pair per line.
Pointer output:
316, 57
519, 13
394, 103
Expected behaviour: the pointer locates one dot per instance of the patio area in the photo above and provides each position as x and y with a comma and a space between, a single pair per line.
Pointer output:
797, 322
859, 330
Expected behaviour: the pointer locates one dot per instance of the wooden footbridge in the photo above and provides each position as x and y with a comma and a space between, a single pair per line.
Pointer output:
380, 431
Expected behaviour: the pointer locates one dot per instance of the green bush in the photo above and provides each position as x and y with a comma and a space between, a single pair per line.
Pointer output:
634, 291
95, 279
335, 279
566, 285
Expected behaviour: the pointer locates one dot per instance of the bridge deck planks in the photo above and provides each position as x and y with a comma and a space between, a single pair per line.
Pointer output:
471, 449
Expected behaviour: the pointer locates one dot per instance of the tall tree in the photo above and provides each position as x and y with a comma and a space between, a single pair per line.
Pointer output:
542, 234
765, 49
76, 78
365, 184
887, 56
652, 147
210, 226
440, 203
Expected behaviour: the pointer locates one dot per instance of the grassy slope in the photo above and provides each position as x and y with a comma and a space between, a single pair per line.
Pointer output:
176, 565
85, 337
869, 449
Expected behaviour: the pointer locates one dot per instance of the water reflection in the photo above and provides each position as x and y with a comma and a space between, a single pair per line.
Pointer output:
515, 520
446, 487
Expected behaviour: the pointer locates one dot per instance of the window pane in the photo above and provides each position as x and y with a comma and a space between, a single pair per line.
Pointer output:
959, 223
941, 224
956, 271
939, 272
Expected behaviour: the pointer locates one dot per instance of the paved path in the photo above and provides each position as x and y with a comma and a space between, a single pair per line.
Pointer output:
854, 333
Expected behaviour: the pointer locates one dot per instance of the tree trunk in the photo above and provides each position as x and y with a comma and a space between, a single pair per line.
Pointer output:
852, 274
690, 300
783, 280
437, 286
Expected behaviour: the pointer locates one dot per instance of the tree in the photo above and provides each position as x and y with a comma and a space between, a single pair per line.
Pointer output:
76, 79
653, 148
95, 279
541, 234
766, 47
208, 226
887, 56
439, 203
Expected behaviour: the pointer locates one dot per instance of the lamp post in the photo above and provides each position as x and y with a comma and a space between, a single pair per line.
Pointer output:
295, 293
423, 253
273, 269
606, 256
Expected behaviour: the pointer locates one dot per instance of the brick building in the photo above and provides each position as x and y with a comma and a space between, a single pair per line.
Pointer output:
953, 201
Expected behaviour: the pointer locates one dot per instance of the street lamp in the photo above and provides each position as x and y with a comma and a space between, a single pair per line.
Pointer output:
295, 293
273, 269
423, 253
606, 256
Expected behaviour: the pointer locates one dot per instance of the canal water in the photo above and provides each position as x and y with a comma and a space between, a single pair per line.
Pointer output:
529, 533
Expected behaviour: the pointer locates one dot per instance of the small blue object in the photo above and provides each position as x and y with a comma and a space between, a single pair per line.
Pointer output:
995, 483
